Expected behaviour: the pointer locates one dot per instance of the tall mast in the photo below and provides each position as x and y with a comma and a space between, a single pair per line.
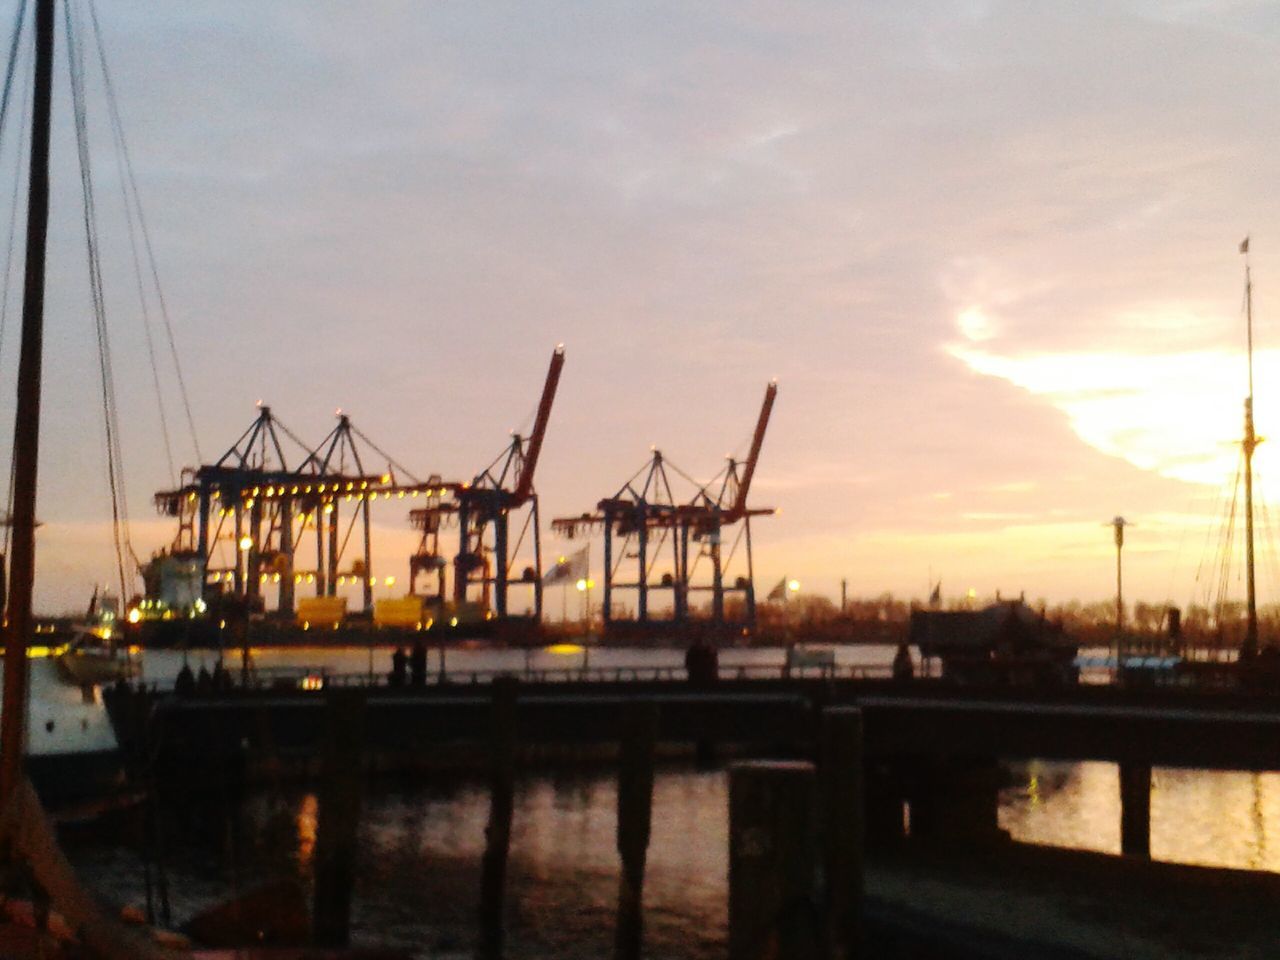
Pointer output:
1250, 444
26, 435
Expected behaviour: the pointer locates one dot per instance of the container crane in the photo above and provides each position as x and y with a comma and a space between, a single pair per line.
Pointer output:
652, 523
268, 505
483, 508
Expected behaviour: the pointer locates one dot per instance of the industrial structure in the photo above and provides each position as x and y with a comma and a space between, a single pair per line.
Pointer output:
654, 529
487, 563
243, 519
259, 525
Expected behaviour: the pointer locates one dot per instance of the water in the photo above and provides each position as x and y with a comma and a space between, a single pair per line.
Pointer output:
421, 842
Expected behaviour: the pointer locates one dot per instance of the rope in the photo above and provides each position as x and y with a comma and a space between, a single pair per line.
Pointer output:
115, 460
117, 125
8, 263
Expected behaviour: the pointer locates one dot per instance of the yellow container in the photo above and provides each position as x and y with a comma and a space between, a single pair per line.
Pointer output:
321, 611
398, 612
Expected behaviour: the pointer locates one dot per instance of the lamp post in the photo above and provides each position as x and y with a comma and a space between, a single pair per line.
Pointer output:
1119, 523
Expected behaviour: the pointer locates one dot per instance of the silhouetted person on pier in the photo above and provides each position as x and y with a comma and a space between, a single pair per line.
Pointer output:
702, 663
418, 664
398, 661
221, 679
184, 685
902, 667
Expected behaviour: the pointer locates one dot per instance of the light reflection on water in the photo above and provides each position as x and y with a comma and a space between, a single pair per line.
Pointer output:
420, 850
420, 846
1222, 818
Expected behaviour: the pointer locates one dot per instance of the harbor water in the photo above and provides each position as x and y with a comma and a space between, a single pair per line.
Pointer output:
421, 840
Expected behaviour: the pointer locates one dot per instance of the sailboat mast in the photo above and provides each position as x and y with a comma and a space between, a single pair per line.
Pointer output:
1250, 444
26, 437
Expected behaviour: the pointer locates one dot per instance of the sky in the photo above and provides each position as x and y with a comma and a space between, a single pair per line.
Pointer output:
989, 251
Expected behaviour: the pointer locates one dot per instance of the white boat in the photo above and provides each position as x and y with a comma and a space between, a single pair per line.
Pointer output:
72, 752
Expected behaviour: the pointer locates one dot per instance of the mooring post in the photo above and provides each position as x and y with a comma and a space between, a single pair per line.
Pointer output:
773, 861
843, 827
502, 777
335, 851
635, 807
1135, 809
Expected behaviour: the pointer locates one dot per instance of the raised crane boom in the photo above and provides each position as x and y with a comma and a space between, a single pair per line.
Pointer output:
739, 507
524, 486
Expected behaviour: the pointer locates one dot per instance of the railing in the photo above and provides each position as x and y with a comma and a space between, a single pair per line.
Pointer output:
322, 677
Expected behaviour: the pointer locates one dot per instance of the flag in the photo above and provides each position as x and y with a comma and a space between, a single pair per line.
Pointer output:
569, 569
1244, 245
779, 592
935, 598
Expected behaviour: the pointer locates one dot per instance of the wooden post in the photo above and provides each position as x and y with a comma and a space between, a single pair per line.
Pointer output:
335, 851
635, 807
773, 861
502, 751
843, 827
1135, 810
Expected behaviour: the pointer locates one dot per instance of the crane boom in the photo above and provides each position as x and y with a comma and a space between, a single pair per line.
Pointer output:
524, 487
739, 507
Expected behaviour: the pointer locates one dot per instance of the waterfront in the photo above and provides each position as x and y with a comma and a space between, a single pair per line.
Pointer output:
420, 847
421, 840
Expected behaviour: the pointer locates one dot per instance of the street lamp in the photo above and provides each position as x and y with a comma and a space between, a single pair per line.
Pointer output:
1119, 523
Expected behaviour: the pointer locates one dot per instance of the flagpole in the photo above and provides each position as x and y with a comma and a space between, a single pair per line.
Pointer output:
1250, 444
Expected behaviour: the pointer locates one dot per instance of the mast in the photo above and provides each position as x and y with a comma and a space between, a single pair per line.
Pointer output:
26, 435
1250, 444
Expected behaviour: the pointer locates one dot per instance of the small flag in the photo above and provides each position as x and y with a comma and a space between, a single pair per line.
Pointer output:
779, 592
1244, 245
569, 569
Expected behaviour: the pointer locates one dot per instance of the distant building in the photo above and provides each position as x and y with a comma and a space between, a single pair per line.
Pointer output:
1007, 643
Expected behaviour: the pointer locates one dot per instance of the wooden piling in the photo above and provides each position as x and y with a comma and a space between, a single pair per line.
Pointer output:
773, 861
843, 827
1135, 810
502, 755
339, 816
635, 807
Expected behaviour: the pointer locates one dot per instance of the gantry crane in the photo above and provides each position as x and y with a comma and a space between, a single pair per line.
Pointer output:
269, 505
483, 508
706, 518
653, 525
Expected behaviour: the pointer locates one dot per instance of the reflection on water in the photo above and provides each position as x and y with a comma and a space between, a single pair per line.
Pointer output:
1210, 818
420, 848
420, 845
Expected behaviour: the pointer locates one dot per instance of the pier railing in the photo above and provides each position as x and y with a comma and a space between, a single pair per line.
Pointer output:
321, 677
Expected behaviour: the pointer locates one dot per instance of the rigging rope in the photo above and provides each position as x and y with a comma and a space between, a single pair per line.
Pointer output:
8, 264
115, 459
117, 125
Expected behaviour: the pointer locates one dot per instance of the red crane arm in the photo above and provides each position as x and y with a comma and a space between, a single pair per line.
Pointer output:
524, 487
739, 507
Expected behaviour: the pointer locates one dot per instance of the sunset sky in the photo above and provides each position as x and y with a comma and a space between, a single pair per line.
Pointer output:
989, 250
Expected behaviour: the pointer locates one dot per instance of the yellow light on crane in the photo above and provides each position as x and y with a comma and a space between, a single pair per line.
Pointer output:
389, 581
386, 478
246, 542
